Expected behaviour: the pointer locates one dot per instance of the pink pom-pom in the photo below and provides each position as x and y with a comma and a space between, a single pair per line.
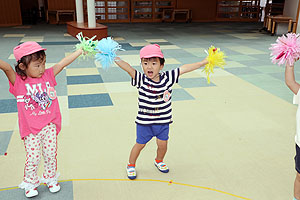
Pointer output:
286, 50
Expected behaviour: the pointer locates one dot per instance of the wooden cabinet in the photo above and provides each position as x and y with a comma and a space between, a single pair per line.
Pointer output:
107, 11
141, 11
238, 10
160, 6
118, 10
150, 10
110, 10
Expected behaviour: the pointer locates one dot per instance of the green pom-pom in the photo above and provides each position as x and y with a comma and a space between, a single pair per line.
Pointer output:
87, 45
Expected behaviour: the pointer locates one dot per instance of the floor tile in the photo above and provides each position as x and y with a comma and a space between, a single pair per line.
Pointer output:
14, 35
84, 79
181, 95
80, 89
194, 82
242, 70
156, 40
241, 58
119, 87
114, 74
89, 100
32, 38
247, 50
81, 71
8, 105
4, 141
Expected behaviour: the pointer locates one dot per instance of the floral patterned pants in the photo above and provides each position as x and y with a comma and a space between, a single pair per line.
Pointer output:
46, 140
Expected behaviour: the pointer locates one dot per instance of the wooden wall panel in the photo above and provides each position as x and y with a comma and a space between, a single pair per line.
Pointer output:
202, 10
10, 13
61, 5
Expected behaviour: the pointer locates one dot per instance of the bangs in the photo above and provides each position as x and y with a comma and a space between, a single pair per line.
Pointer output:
150, 59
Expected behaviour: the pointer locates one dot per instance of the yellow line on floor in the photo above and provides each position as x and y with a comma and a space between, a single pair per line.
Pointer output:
169, 183
11, 188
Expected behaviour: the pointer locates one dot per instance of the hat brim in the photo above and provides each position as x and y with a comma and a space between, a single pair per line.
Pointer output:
33, 51
152, 56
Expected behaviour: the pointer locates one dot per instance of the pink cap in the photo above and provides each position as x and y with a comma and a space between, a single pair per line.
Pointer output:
26, 49
151, 50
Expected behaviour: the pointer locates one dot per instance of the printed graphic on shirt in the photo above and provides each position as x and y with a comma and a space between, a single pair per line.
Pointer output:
167, 96
38, 99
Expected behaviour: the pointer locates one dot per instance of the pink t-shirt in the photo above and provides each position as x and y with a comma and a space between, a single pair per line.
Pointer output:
37, 103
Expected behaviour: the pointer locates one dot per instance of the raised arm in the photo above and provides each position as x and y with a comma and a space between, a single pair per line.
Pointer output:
57, 68
191, 67
290, 79
9, 71
125, 66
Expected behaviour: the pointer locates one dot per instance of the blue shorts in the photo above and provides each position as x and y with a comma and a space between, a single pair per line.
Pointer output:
144, 133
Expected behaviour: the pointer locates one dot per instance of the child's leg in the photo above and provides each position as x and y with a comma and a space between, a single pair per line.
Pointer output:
33, 147
50, 151
50, 162
31, 180
135, 152
143, 135
161, 152
161, 149
162, 136
297, 186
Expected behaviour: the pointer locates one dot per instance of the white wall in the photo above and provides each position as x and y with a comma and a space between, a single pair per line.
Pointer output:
290, 9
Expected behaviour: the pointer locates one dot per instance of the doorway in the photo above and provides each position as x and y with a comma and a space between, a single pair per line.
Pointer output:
33, 11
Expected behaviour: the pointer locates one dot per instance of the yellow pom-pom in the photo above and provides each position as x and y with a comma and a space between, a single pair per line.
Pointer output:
215, 58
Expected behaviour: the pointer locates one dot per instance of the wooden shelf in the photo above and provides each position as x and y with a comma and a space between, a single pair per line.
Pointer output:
238, 10
150, 10
159, 6
110, 11
142, 11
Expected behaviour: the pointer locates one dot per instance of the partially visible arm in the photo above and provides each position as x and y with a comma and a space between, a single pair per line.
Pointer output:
125, 66
191, 67
9, 71
57, 68
290, 79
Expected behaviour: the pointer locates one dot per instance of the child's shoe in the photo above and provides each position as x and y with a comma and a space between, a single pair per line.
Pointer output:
52, 183
53, 186
131, 172
30, 189
31, 192
161, 166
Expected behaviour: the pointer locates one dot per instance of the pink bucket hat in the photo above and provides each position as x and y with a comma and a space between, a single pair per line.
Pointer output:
26, 49
151, 50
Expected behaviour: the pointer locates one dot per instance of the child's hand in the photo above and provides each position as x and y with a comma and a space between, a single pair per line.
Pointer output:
83, 52
8, 70
205, 61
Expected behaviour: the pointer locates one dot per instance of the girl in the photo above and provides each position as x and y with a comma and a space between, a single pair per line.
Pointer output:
294, 87
38, 111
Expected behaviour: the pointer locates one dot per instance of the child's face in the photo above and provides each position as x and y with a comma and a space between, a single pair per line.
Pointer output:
36, 69
152, 67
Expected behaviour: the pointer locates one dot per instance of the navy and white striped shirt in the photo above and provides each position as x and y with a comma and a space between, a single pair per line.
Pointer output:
155, 97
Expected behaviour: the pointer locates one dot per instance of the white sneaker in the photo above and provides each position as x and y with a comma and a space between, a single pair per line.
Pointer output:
161, 166
53, 186
31, 192
52, 183
131, 173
